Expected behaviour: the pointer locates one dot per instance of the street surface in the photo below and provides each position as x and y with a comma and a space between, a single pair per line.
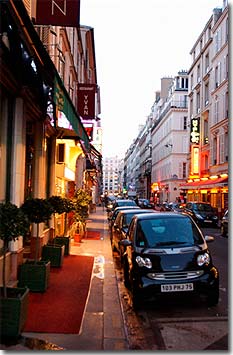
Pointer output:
181, 323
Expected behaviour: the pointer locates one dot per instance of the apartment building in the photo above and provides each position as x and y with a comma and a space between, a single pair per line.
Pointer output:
112, 175
208, 113
169, 136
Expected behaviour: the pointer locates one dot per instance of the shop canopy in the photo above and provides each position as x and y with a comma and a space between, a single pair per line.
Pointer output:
210, 183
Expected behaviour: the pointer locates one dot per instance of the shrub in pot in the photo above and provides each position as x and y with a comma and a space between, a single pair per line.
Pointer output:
14, 300
35, 273
81, 201
62, 205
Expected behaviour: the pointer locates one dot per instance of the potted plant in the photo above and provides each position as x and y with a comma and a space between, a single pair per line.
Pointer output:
14, 300
62, 205
81, 202
35, 273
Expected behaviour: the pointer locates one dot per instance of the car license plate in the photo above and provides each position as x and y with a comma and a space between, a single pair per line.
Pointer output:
207, 221
177, 287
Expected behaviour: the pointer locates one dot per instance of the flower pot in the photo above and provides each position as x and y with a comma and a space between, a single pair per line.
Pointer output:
54, 253
77, 238
34, 275
13, 311
63, 241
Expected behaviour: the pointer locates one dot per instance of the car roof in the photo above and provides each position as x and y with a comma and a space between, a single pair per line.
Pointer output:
138, 211
167, 215
122, 208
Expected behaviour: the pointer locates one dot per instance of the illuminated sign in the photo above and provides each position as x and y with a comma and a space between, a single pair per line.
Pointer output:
195, 160
58, 12
195, 131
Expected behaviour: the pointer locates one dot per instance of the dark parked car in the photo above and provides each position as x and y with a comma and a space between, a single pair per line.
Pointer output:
121, 225
144, 203
203, 213
119, 203
166, 254
114, 213
224, 224
175, 206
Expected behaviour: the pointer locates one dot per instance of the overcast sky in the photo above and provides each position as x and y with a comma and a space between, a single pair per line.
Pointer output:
136, 44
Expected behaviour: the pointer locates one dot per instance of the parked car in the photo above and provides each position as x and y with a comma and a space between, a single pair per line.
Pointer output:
121, 225
166, 253
144, 203
175, 206
224, 224
119, 203
114, 213
203, 213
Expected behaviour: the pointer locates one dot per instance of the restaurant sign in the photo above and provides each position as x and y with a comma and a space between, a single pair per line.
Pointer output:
86, 101
58, 12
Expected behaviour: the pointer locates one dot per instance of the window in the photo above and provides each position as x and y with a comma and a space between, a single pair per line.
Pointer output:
206, 130
207, 63
198, 73
216, 111
184, 168
215, 151
206, 94
185, 122
226, 146
198, 102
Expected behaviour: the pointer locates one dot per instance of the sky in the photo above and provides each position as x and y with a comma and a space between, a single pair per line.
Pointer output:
136, 44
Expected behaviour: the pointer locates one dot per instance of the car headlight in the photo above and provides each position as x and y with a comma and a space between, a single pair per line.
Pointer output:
203, 259
143, 262
199, 216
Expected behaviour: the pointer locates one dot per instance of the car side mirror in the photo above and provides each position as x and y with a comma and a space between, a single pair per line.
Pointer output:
125, 242
209, 238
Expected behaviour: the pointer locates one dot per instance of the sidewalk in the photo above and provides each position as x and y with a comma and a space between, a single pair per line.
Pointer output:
103, 325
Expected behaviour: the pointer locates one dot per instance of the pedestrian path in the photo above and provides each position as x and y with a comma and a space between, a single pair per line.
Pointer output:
103, 326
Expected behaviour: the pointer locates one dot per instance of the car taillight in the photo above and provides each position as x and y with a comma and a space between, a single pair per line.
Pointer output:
143, 262
203, 259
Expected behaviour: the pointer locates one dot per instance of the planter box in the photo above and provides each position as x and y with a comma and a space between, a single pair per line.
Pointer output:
35, 276
63, 241
13, 312
54, 253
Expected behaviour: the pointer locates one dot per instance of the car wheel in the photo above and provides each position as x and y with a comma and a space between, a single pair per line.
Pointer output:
126, 274
213, 297
223, 231
136, 299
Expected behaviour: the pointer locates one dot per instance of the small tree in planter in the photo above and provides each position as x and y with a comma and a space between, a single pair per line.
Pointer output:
81, 203
14, 301
35, 274
62, 205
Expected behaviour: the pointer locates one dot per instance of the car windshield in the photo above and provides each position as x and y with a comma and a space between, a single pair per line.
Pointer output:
202, 207
162, 232
127, 219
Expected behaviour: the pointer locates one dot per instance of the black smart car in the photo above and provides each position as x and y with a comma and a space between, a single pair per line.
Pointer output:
166, 253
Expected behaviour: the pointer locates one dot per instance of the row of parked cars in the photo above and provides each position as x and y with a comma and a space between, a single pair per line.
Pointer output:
162, 253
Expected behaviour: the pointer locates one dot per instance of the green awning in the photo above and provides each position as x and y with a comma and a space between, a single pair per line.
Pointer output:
63, 103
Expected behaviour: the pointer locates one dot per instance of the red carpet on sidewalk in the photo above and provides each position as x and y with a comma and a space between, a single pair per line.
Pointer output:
93, 234
60, 309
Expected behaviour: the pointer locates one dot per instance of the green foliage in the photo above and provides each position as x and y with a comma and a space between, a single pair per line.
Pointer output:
81, 203
13, 222
37, 209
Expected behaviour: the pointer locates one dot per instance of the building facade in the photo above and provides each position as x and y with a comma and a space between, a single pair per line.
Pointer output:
208, 114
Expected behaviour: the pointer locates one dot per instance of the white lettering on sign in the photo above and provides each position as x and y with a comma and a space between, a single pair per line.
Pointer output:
63, 11
85, 108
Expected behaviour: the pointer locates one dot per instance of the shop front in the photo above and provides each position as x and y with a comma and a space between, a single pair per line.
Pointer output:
214, 191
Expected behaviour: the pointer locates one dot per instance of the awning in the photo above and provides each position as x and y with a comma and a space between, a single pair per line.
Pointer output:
219, 182
65, 105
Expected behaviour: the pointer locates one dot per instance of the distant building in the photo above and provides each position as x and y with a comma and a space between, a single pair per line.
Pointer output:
112, 175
